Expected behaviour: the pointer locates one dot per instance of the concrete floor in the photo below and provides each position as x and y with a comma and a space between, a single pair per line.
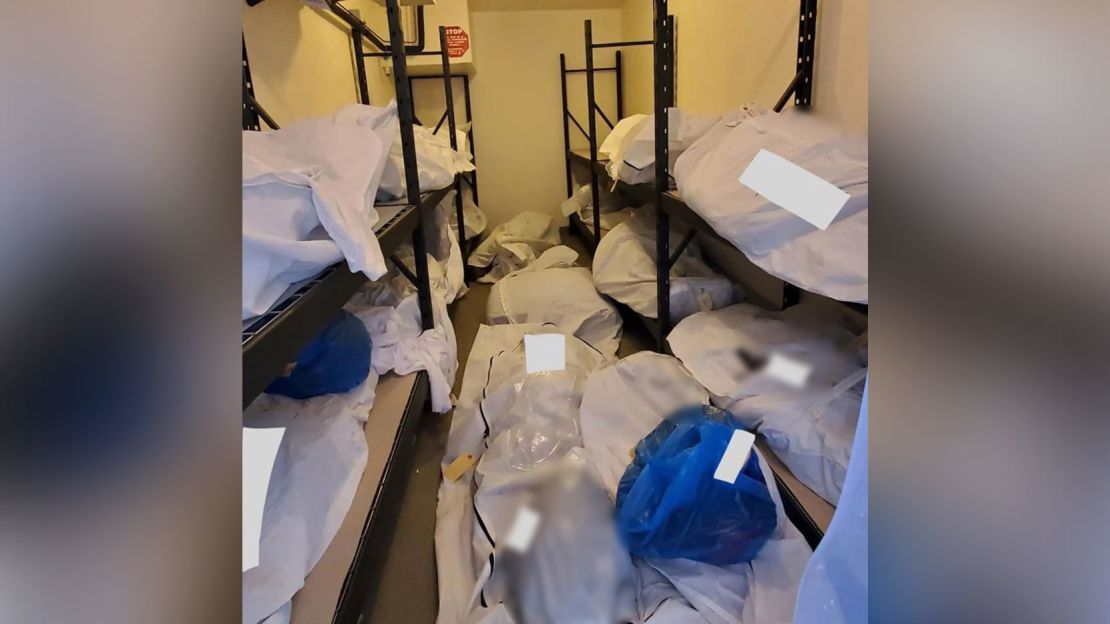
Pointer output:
408, 592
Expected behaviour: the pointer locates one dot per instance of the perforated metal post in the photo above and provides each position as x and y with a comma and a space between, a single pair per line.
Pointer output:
470, 137
566, 124
360, 67
591, 105
408, 151
445, 62
250, 116
664, 97
618, 66
807, 35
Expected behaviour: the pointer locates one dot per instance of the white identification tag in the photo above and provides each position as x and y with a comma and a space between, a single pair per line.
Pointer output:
794, 189
736, 455
545, 352
260, 447
523, 531
789, 371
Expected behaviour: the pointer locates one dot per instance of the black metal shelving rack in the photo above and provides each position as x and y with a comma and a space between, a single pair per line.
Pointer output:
617, 68
274, 339
669, 204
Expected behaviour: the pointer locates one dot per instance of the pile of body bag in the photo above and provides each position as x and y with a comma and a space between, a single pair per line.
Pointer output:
614, 207
553, 290
521, 434
811, 427
631, 145
309, 191
624, 268
830, 262
514, 245
308, 195
436, 162
622, 404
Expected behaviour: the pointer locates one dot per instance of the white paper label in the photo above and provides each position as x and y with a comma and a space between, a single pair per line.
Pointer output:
788, 370
545, 352
736, 455
794, 189
260, 447
523, 531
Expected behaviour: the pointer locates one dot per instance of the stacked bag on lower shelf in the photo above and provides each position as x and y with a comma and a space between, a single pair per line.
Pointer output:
323, 403
624, 268
811, 428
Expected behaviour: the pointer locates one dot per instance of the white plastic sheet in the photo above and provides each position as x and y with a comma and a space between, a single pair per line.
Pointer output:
515, 244
400, 343
313, 483
631, 144
436, 161
552, 291
831, 262
624, 268
810, 429
308, 192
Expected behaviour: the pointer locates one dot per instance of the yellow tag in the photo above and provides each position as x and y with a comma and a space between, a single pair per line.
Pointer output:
457, 468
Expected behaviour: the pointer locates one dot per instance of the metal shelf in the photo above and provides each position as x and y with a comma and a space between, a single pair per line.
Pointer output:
275, 338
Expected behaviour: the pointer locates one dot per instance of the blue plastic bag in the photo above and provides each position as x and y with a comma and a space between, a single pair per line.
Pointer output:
335, 361
669, 506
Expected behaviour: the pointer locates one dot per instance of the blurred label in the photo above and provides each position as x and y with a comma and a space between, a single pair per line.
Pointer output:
794, 189
789, 371
457, 468
545, 352
523, 531
735, 456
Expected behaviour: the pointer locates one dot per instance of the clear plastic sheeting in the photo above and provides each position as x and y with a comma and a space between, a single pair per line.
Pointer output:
477, 510
830, 262
624, 268
515, 244
574, 568
834, 586
809, 427
552, 291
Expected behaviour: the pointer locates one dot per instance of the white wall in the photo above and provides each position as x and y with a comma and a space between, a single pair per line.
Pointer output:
735, 51
518, 102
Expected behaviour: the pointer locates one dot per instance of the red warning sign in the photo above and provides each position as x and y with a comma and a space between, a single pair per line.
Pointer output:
458, 42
